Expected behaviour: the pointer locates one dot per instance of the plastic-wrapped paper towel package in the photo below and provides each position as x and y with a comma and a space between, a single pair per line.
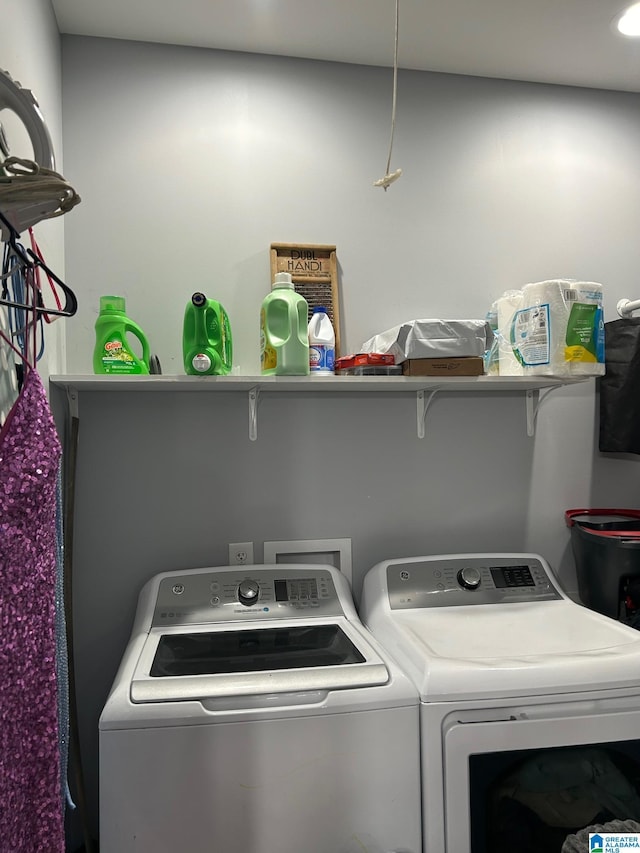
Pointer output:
506, 307
433, 339
551, 328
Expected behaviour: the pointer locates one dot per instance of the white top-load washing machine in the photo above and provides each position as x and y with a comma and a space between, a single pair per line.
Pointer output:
253, 713
514, 679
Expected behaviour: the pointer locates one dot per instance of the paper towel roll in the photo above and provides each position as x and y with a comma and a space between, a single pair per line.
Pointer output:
582, 368
506, 307
541, 327
590, 293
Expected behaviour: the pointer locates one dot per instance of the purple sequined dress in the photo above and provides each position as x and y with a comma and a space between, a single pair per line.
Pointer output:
31, 809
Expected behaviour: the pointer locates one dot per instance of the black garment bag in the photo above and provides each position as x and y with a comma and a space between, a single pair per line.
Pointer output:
620, 388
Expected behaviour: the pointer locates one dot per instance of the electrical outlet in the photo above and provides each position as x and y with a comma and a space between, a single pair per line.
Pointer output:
240, 553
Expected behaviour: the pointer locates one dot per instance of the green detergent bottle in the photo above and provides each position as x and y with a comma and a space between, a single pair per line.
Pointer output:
113, 353
284, 339
206, 338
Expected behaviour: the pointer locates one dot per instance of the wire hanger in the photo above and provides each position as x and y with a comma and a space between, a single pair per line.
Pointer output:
25, 345
31, 260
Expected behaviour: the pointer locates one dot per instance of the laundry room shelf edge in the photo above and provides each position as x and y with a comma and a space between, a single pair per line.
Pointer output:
331, 384
425, 388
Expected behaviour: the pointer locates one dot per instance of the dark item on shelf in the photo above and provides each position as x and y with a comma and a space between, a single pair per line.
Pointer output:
620, 388
372, 370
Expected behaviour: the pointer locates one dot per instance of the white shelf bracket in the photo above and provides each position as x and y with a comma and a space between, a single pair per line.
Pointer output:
533, 404
535, 399
72, 401
254, 394
422, 407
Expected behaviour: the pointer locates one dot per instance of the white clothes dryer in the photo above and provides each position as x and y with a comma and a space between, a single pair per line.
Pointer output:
253, 713
514, 679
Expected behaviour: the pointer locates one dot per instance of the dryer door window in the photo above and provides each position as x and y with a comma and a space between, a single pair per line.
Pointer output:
532, 800
539, 774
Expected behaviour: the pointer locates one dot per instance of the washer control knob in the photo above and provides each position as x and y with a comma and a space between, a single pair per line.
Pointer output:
469, 578
248, 592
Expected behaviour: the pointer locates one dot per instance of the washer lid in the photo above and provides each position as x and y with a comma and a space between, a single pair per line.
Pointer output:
215, 661
519, 649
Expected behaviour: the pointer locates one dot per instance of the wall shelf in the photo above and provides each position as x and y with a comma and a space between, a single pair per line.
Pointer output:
424, 387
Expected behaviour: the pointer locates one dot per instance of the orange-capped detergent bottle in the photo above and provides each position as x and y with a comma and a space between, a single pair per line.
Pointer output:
113, 352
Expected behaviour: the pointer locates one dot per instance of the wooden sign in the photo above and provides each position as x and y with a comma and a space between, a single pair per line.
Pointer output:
314, 270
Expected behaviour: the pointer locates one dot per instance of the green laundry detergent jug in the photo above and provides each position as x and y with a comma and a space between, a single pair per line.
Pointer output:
113, 352
284, 339
206, 338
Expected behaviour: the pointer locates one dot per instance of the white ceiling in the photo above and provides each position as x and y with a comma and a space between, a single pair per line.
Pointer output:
550, 41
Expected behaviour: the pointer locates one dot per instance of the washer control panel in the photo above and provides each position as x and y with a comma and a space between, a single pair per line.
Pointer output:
252, 593
465, 580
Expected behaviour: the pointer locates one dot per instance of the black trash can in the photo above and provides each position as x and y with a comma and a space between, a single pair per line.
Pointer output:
606, 550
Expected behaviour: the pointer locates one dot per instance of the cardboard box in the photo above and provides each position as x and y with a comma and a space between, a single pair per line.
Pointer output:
469, 366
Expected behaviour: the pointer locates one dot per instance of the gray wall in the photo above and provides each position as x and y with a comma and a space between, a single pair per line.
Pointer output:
190, 163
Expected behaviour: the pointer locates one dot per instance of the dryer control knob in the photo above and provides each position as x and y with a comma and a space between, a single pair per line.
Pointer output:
469, 578
248, 592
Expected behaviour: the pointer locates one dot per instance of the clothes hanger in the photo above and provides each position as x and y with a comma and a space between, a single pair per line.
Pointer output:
33, 261
25, 289
27, 340
28, 262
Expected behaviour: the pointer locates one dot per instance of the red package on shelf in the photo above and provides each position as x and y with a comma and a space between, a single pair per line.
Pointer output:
366, 359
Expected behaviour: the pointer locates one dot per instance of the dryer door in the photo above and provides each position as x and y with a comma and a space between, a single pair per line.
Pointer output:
539, 773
